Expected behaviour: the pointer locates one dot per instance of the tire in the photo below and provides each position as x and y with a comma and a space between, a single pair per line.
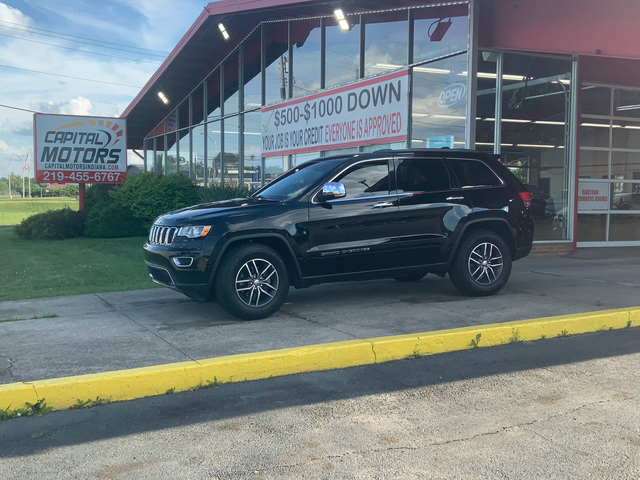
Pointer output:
473, 277
239, 288
410, 277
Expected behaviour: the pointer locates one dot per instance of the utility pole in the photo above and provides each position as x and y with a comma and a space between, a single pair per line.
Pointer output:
9, 163
283, 94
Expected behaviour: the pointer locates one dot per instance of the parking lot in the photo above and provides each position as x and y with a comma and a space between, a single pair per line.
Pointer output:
114, 331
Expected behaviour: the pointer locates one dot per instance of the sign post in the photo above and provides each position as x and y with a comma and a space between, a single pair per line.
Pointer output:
76, 149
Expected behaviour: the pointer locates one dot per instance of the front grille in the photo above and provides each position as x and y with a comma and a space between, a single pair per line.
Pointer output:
162, 235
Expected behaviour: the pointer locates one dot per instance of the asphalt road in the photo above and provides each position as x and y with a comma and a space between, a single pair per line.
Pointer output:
554, 409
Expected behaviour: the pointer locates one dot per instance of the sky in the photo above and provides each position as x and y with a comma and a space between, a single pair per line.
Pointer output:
114, 46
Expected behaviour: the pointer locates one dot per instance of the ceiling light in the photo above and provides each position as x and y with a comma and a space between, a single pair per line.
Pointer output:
342, 19
164, 99
223, 30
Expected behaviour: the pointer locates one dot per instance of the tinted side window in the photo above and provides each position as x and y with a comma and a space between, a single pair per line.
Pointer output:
422, 175
473, 173
366, 179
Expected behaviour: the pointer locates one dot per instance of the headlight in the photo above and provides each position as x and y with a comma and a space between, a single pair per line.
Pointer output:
194, 232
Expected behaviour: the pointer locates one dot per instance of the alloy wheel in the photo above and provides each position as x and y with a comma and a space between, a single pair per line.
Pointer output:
257, 282
485, 263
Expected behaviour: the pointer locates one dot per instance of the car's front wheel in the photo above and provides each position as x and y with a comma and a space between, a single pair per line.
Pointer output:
482, 264
252, 282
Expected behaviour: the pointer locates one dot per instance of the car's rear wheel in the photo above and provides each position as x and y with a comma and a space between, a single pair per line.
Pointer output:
482, 264
252, 282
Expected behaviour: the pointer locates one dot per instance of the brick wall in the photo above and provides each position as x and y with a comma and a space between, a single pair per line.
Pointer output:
550, 250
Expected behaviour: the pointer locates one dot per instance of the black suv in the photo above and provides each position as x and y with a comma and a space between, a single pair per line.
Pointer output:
390, 214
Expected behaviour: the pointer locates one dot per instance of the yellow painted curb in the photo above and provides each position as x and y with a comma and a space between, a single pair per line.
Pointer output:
61, 393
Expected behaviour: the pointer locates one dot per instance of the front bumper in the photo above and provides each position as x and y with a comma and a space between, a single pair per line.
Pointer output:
192, 278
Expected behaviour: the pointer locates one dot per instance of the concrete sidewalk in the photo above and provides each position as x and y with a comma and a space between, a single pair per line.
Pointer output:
115, 331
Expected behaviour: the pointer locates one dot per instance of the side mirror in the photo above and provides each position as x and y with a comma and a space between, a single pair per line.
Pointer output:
332, 190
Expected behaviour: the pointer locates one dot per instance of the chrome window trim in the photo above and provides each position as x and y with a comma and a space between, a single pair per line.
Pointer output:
333, 179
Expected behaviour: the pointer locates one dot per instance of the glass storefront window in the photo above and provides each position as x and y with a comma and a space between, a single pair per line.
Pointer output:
594, 132
197, 105
231, 84
274, 167
251, 70
624, 228
626, 103
591, 227
305, 38
439, 122
385, 44
594, 164
625, 165
596, 100
231, 139
198, 153
213, 152
300, 158
276, 51
170, 158
185, 165
626, 134
535, 99
252, 149
213, 95
486, 100
440, 31
342, 62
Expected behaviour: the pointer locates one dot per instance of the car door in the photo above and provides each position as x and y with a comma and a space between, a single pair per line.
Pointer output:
430, 208
356, 233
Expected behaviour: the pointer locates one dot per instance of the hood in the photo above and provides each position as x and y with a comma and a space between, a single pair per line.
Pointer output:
199, 214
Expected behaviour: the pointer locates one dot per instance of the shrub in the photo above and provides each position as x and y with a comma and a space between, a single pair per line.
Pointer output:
52, 225
217, 193
147, 196
111, 220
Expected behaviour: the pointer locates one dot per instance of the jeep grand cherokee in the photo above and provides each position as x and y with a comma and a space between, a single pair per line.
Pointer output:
389, 214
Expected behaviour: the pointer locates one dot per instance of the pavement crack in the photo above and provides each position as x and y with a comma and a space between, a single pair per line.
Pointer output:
301, 317
12, 362
122, 312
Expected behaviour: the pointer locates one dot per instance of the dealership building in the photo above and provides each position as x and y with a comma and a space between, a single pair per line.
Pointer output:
256, 87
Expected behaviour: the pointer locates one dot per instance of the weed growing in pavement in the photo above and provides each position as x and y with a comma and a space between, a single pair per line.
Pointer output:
543, 294
628, 324
543, 337
210, 384
602, 328
12, 319
598, 303
563, 333
35, 317
476, 341
170, 390
610, 328
90, 402
416, 353
515, 336
30, 410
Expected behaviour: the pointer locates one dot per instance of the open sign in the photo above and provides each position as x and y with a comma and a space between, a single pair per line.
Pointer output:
452, 95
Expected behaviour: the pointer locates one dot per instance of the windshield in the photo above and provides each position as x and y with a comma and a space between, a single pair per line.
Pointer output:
298, 179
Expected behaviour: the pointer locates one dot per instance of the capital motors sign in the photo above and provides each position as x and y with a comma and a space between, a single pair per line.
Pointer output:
75, 149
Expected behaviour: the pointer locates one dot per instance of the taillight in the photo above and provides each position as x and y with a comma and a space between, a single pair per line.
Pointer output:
526, 198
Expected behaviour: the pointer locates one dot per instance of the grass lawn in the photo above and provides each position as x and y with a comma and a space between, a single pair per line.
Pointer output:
40, 268
14, 210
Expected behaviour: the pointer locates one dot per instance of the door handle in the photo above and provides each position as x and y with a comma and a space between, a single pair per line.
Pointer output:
383, 205
455, 198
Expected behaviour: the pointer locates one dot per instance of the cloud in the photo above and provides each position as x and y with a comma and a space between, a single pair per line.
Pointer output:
12, 15
75, 106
